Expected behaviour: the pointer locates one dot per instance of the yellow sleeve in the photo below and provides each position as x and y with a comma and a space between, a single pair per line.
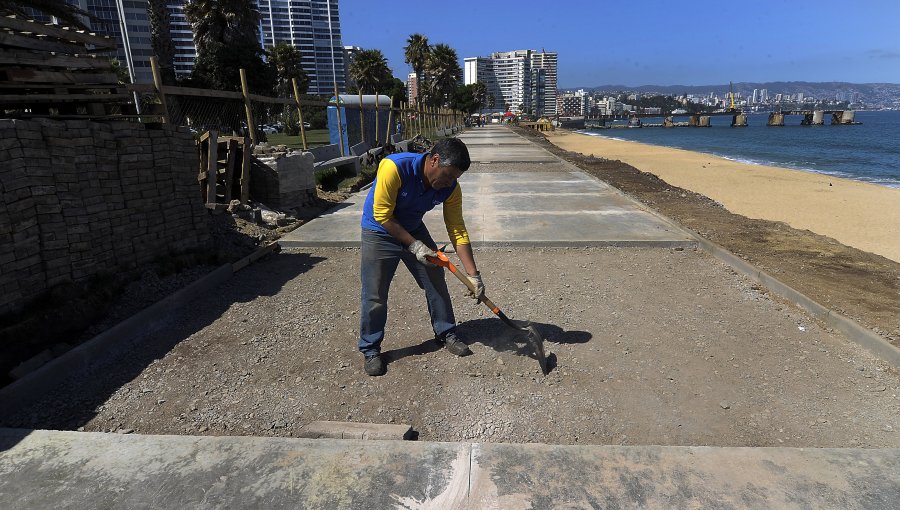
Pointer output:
387, 185
453, 218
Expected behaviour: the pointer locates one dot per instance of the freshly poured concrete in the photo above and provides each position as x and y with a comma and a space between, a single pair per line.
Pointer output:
49, 469
531, 207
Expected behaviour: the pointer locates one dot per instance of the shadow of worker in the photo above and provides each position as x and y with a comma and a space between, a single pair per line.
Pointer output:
495, 334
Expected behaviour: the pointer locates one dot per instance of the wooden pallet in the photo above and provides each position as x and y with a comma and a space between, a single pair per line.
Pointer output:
51, 70
224, 168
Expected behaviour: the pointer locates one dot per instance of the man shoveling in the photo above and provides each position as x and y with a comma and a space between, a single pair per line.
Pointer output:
406, 187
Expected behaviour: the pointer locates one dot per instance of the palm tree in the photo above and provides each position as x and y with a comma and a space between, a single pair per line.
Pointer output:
444, 73
285, 60
369, 70
479, 93
226, 34
222, 21
161, 39
416, 53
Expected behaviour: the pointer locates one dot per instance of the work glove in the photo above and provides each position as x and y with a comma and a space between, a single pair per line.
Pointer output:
421, 251
479, 287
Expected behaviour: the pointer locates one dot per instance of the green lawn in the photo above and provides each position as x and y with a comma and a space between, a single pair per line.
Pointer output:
314, 137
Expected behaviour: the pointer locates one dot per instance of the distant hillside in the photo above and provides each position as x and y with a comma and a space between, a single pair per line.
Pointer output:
874, 92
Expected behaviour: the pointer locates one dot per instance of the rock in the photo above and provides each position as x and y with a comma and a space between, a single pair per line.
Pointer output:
724, 405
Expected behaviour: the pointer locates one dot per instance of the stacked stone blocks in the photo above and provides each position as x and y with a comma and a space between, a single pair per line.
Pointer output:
85, 198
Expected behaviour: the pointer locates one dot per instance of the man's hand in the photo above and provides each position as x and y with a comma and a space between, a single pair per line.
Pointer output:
479, 287
421, 251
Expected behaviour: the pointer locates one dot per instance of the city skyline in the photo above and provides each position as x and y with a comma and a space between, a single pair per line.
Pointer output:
655, 44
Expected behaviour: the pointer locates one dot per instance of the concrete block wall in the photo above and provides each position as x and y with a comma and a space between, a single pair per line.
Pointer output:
284, 181
84, 198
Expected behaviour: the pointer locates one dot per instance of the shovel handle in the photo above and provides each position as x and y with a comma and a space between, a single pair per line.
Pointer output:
442, 260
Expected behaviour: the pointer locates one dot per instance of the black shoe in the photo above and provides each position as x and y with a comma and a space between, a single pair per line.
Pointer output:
455, 345
374, 365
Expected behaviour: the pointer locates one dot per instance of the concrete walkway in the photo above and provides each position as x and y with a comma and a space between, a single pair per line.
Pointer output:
517, 193
48, 469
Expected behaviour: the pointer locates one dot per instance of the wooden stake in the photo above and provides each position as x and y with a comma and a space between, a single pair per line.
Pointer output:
251, 126
299, 111
245, 171
158, 85
212, 168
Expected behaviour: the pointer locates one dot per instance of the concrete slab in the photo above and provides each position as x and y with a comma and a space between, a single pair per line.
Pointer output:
350, 430
522, 209
52, 469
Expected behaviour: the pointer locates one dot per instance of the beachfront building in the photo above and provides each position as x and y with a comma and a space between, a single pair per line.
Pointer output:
412, 88
314, 28
520, 81
303, 24
573, 104
349, 54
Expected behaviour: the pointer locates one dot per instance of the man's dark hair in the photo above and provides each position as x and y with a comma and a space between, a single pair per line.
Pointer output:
453, 152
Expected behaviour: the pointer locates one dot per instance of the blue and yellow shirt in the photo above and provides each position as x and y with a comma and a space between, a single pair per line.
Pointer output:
399, 192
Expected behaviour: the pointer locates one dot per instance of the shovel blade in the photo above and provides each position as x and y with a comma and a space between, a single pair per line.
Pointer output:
534, 339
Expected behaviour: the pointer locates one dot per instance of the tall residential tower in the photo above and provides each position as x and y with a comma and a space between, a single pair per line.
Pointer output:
521, 80
304, 24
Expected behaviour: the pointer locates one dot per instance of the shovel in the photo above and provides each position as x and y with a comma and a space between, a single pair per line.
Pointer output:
531, 333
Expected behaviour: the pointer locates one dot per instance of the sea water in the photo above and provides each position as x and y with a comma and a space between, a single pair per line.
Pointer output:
867, 152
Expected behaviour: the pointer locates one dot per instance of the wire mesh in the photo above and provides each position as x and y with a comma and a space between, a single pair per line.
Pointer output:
207, 114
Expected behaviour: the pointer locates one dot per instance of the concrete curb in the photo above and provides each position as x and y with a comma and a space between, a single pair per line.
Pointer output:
862, 336
687, 243
124, 336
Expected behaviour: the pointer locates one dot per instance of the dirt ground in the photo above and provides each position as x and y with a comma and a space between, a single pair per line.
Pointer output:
651, 346
859, 285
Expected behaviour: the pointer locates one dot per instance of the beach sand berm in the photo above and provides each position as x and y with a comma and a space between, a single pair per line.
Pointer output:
861, 215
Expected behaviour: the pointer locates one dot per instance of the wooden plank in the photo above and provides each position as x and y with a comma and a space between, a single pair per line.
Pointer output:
229, 169
60, 77
62, 98
43, 59
146, 88
274, 100
245, 170
58, 32
33, 43
189, 91
212, 167
202, 177
63, 89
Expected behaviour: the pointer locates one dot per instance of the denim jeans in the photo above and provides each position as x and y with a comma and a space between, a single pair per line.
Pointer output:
381, 253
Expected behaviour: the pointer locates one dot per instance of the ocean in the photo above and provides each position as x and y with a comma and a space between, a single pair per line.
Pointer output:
869, 152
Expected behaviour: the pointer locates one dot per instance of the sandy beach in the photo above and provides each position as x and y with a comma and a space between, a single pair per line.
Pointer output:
857, 214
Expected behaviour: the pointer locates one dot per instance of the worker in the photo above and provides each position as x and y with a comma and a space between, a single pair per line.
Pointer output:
406, 186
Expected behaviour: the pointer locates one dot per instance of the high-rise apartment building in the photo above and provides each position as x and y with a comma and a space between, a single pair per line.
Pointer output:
312, 26
521, 80
412, 88
349, 53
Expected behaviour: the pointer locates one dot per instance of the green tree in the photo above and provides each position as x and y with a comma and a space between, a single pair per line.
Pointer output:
226, 34
444, 73
479, 93
285, 62
161, 39
464, 99
491, 101
370, 71
416, 52
396, 90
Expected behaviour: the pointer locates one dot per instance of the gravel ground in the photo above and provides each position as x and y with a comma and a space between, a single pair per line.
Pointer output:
652, 346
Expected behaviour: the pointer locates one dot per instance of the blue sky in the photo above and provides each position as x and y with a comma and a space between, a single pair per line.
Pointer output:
651, 42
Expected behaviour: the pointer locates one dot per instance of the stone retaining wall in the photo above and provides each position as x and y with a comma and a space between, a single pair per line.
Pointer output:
85, 198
